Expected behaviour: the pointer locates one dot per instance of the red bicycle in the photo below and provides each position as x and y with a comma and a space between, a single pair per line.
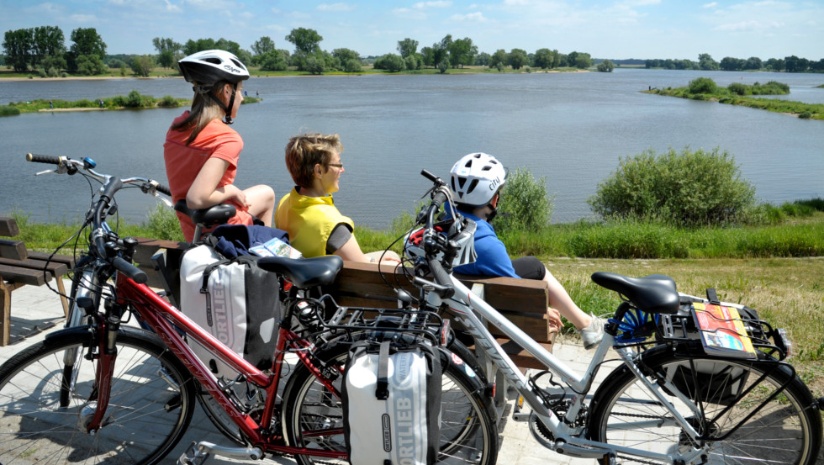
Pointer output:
122, 387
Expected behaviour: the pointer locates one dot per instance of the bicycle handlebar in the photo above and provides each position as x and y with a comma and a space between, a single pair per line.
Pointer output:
111, 185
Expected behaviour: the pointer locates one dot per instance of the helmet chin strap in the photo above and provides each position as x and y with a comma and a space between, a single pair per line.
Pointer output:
227, 118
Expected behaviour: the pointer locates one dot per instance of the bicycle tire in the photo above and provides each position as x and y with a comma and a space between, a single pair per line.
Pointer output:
150, 408
468, 428
786, 430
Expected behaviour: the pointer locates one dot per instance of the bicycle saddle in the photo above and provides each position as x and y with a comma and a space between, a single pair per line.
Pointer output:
305, 272
655, 293
208, 217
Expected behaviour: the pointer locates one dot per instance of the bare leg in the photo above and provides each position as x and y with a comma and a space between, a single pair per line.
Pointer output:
261, 200
560, 299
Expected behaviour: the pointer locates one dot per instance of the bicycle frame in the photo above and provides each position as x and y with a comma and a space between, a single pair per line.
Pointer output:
167, 321
470, 309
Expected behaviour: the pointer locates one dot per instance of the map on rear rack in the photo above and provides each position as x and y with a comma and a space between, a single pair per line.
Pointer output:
722, 331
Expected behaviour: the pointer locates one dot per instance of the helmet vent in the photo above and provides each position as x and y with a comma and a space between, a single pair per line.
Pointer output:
213, 60
472, 186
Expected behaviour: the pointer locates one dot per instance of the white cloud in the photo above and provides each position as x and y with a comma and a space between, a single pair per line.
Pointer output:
434, 4
476, 17
335, 7
710, 5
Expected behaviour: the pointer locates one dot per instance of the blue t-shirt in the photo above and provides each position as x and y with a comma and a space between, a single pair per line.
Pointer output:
493, 259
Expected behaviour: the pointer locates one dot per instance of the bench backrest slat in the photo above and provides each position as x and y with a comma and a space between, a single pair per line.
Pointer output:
13, 249
8, 226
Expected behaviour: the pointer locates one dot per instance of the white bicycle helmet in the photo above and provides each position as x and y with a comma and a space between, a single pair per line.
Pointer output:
211, 66
476, 178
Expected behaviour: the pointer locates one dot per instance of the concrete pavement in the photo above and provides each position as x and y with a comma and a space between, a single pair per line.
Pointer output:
39, 308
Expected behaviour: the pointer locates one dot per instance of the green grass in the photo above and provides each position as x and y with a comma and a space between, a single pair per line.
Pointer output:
133, 101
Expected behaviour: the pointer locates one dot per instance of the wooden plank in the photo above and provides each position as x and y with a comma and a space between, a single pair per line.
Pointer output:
8, 226
13, 249
55, 268
23, 275
521, 357
67, 260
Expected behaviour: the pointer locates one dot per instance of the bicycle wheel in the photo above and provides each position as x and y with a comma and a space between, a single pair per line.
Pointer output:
151, 403
784, 429
313, 417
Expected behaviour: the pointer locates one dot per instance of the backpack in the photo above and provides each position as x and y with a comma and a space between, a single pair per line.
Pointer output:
235, 301
391, 403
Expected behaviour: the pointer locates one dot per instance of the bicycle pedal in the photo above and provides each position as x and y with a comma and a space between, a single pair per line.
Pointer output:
199, 452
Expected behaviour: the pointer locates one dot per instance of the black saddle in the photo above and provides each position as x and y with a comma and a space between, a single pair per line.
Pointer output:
655, 293
305, 272
208, 217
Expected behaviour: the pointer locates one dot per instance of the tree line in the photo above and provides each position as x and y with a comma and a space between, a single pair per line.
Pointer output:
790, 64
43, 50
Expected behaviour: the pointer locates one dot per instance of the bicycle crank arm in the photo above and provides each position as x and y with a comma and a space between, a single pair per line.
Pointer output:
199, 452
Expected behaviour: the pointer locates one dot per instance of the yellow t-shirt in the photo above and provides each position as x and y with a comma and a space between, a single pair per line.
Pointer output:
309, 221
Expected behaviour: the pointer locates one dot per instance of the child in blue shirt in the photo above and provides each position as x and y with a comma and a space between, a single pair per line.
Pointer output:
476, 181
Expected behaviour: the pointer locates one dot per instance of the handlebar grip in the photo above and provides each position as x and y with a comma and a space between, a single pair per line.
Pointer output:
130, 270
430, 176
442, 278
438, 199
50, 159
164, 190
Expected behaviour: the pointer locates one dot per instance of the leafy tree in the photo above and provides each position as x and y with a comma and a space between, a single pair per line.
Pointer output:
428, 56
315, 63
53, 64
306, 41
706, 63
390, 62
443, 66
582, 61
348, 60
194, 46
274, 60
483, 59
89, 65
753, 63
688, 189
413, 62
570, 59
462, 52
86, 54
47, 41
17, 47
702, 85
606, 66
263, 46
499, 59
793, 64
544, 58
731, 64
167, 51
518, 58
775, 64
407, 47
142, 65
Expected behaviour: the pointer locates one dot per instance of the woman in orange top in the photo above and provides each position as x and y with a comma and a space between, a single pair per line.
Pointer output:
202, 150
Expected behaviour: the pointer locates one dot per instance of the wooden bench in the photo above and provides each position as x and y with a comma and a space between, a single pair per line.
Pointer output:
20, 266
164, 273
522, 301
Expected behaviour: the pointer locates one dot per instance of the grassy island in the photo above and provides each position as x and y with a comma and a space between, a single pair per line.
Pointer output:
133, 101
745, 95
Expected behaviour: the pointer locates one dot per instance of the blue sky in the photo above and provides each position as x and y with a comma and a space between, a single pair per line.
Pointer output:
604, 29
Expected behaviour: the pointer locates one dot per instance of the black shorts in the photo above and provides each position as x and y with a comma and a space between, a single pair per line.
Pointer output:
529, 268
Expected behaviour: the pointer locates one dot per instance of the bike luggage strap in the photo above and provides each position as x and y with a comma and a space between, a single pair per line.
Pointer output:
382, 388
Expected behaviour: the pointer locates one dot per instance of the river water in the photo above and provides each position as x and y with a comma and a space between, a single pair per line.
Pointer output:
570, 129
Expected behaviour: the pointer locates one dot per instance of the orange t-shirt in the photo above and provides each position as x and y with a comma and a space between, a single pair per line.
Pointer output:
183, 163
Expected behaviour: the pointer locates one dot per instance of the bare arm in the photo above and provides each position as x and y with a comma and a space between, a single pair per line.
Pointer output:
204, 191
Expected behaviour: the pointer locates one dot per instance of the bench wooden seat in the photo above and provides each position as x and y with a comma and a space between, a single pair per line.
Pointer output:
20, 267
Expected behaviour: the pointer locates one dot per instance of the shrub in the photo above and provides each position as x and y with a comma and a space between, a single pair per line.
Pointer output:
688, 189
168, 102
6, 110
737, 88
163, 224
524, 204
703, 85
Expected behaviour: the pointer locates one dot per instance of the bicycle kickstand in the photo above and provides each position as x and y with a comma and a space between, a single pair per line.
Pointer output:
198, 452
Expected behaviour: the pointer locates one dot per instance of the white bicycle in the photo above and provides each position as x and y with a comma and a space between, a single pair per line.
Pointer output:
669, 402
